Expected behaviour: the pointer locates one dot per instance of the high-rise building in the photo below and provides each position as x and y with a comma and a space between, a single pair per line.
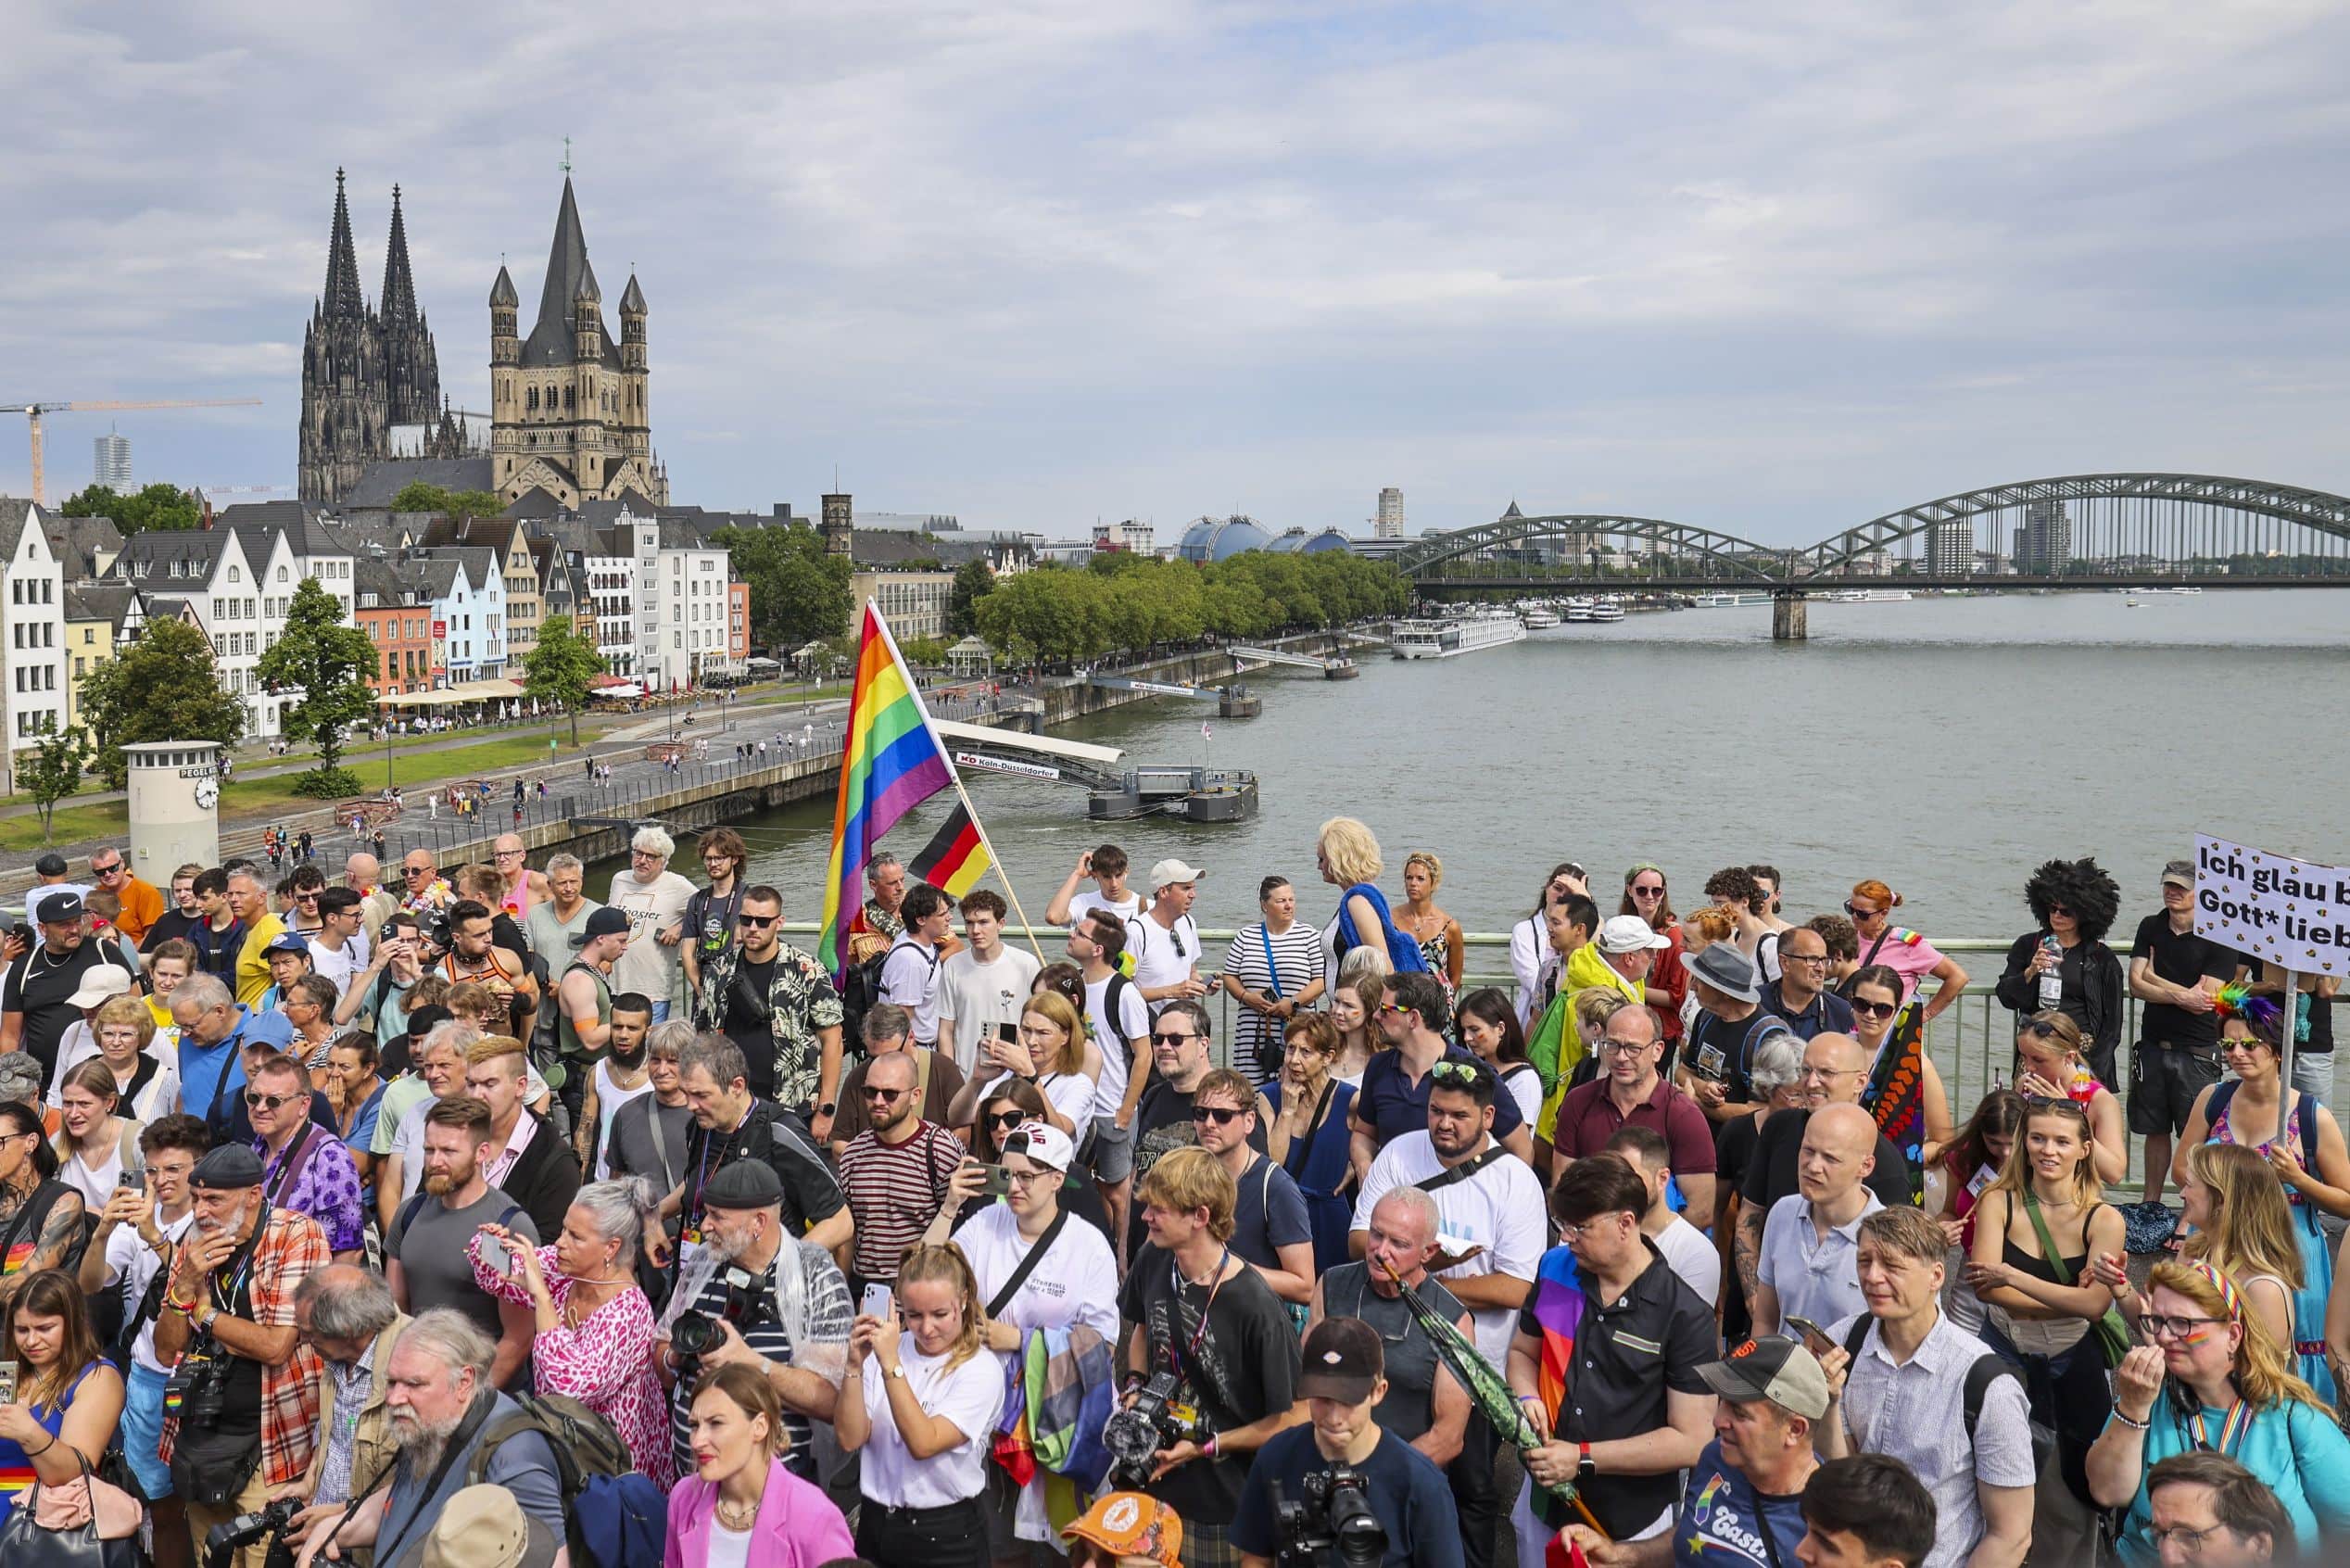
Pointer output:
2044, 544
1949, 550
112, 464
1389, 523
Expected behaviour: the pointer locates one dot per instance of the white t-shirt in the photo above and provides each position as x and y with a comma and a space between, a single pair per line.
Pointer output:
727, 1548
341, 967
1076, 1283
95, 1183
1500, 1207
1524, 1085
1112, 1035
1085, 904
1690, 1255
130, 1263
968, 1399
1163, 955
910, 979
978, 996
646, 966
609, 1097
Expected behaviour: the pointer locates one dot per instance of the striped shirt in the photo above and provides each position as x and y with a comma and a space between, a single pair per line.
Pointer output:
894, 1190
1296, 956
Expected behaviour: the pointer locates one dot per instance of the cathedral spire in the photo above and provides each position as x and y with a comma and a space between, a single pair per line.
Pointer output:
398, 302
342, 298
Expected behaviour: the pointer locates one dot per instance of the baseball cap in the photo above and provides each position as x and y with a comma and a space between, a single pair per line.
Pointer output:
1771, 1368
60, 909
1130, 1525
2179, 873
289, 943
607, 921
100, 982
1629, 933
1342, 1361
1168, 872
1043, 1142
484, 1527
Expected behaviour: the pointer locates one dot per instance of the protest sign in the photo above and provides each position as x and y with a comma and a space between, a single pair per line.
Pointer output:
2293, 914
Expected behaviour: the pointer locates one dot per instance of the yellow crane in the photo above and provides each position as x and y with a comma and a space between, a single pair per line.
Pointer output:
32, 412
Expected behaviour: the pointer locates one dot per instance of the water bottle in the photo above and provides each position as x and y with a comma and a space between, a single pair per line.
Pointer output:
2051, 981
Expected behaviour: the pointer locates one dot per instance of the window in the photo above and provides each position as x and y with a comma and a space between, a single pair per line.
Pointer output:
235, 573
281, 573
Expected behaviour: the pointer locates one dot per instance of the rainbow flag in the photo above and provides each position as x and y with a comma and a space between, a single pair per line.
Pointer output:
956, 857
892, 763
1559, 1306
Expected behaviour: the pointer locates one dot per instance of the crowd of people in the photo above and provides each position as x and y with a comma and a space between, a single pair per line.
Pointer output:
422, 1221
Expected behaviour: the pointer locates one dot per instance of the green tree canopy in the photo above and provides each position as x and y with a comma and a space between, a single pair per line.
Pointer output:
152, 506
53, 771
1124, 602
160, 687
974, 580
562, 668
417, 495
327, 661
797, 593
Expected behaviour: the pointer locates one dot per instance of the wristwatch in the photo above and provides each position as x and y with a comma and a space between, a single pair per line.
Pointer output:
830, 1108
1586, 1467
898, 1371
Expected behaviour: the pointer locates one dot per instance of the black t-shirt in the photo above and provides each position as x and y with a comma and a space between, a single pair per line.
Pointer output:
1163, 1122
749, 1024
1771, 1174
1240, 1369
2320, 1041
1723, 1049
1407, 1492
232, 1290
172, 924
2182, 958
710, 921
769, 1132
38, 985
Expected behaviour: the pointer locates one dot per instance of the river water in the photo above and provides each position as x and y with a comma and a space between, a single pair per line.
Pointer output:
1946, 746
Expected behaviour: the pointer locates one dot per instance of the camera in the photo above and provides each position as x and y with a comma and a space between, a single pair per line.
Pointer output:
199, 1385
750, 1300
436, 932
1333, 1516
692, 1334
223, 1540
1155, 1421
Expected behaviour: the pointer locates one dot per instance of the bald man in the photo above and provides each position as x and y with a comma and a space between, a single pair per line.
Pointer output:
1811, 1240
1836, 1068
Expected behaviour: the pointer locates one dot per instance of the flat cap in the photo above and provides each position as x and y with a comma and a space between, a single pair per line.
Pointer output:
746, 1183
226, 1168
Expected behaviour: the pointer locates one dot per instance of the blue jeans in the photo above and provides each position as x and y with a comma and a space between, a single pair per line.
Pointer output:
143, 1432
661, 1010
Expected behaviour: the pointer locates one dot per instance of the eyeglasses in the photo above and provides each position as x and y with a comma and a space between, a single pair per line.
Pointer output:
1576, 1233
1462, 1073
267, 1102
1222, 1115
2189, 1541
2154, 1325
415, 870
1823, 1074
1874, 1009
1025, 1178
1787, 957
1622, 1048
759, 922
1172, 1039
507, 855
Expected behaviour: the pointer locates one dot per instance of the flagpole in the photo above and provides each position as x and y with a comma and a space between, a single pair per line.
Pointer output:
954, 774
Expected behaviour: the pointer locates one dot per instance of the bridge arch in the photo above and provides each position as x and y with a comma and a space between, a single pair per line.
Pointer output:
1570, 535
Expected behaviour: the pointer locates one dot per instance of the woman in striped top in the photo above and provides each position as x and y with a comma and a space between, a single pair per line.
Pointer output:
1274, 969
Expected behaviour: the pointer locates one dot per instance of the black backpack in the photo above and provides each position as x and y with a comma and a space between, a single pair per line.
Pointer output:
614, 1515
861, 990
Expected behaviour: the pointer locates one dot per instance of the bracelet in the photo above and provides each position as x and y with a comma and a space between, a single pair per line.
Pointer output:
2133, 1425
43, 1448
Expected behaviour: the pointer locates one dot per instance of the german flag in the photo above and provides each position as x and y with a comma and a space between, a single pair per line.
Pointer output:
955, 858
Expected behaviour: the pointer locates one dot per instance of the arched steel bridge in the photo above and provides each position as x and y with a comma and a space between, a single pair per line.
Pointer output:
2078, 531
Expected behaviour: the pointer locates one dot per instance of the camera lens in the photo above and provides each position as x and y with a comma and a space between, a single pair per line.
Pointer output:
692, 1334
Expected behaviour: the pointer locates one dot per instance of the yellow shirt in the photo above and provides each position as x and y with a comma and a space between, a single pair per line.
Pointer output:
253, 960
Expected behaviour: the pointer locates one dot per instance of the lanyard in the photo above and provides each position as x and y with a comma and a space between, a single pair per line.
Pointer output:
1175, 1279
2231, 1429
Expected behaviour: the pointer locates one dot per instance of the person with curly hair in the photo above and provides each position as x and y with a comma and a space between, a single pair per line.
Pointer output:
1736, 888
2065, 963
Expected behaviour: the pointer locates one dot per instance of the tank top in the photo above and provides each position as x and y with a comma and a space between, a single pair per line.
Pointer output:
572, 1045
609, 1097
1411, 1354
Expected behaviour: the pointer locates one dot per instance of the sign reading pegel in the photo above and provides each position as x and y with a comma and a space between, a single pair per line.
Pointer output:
2290, 912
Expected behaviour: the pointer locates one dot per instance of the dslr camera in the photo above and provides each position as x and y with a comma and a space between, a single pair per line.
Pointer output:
199, 1385
1333, 1516
1155, 1421
223, 1540
750, 1300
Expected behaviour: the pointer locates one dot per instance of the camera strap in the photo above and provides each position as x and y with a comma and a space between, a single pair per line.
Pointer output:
1180, 1355
1027, 1265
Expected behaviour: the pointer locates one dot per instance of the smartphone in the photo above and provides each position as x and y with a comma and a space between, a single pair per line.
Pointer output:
1008, 1033
1816, 1338
7, 1383
132, 1180
994, 1180
876, 1302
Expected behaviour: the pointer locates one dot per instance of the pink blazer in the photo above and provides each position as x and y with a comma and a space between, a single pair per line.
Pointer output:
798, 1527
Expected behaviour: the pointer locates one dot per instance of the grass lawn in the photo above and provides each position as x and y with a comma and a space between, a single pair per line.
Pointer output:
74, 824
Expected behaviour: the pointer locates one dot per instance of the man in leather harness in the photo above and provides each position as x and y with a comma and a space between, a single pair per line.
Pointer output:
473, 956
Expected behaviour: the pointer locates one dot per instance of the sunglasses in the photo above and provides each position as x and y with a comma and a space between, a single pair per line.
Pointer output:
870, 1092
267, 1102
1222, 1115
1455, 1072
1172, 1039
1857, 913
2039, 1027
1003, 1121
2060, 909
415, 870
1395, 1007
1638, 891
1874, 1009
760, 922
115, 870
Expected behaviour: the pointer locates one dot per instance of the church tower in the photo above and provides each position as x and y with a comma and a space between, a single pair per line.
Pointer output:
568, 401
345, 401
411, 370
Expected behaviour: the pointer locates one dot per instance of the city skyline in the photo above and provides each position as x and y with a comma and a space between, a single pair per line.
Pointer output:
1772, 276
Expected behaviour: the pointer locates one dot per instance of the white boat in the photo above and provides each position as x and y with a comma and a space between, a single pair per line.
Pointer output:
1579, 609
1450, 639
1607, 609
1538, 617
1886, 596
2175, 590
1716, 601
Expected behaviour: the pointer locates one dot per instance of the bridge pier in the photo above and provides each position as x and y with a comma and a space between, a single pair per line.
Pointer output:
1790, 616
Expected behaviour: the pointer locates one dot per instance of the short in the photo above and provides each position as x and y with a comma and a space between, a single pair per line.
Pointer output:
143, 1432
1111, 1154
2164, 1081
1208, 1546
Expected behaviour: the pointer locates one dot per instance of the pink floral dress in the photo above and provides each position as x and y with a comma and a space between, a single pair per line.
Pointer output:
605, 1363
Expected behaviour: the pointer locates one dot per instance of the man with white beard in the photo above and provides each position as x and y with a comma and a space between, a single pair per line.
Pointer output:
441, 1401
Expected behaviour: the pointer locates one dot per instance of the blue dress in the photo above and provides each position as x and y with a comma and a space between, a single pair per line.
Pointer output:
2317, 1259
16, 1465
1318, 1164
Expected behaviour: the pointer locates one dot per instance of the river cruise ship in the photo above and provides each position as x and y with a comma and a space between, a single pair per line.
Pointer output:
1450, 639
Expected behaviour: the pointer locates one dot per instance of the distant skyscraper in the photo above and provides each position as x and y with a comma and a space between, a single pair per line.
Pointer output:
1950, 550
112, 465
1389, 525
2044, 544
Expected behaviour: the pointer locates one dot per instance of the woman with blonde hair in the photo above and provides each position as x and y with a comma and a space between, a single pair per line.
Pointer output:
1701, 928
2212, 1376
740, 1505
2052, 1057
2243, 1228
95, 1145
1442, 946
149, 1086
1347, 856
923, 1416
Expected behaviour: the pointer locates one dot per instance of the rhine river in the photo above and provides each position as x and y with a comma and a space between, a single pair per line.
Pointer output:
1946, 746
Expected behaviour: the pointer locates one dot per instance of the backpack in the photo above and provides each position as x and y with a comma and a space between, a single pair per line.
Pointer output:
861, 990
1987, 1369
1403, 952
613, 1516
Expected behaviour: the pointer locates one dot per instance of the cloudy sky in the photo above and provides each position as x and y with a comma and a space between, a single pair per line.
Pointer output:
1771, 267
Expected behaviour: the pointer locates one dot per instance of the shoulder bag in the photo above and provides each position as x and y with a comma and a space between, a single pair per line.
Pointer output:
92, 1525
2111, 1331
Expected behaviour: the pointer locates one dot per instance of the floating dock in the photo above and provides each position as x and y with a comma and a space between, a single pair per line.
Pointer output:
1114, 792
1339, 667
1232, 702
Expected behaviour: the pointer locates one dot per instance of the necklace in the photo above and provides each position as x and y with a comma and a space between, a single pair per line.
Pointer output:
737, 1516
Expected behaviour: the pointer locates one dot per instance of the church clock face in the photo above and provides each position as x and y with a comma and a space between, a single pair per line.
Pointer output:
207, 794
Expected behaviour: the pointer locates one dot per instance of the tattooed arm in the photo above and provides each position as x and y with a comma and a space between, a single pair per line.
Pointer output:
58, 1231
1749, 1249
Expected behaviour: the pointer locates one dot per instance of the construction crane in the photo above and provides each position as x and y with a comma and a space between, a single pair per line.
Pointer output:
32, 412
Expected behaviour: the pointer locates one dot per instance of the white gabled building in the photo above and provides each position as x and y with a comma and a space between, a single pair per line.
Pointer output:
467, 589
32, 680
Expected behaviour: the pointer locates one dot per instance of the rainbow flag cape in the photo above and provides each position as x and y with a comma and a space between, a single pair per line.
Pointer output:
892, 763
1558, 1308
956, 857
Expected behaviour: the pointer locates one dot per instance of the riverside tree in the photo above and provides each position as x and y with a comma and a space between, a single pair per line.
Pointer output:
1122, 601
974, 580
797, 593
562, 668
327, 660
163, 686
53, 771
151, 506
